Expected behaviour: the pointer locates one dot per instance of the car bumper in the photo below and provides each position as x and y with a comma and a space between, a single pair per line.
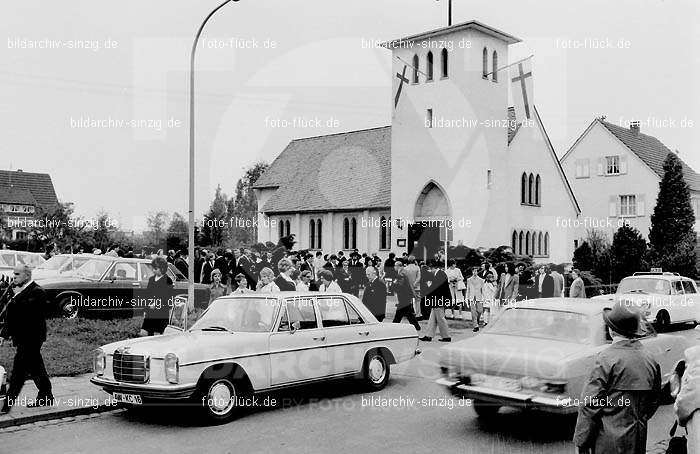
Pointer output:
147, 391
561, 405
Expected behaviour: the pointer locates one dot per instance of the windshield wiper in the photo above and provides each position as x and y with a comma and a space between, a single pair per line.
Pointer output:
215, 328
638, 290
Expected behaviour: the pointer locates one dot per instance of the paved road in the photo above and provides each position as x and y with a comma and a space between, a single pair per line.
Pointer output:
335, 418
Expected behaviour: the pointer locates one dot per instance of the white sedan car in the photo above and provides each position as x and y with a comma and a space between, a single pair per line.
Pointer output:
251, 343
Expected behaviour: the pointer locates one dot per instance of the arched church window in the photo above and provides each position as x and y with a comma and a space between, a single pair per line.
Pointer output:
546, 244
514, 241
485, 63
429, 67
312, 234
538, 189
444, 62
539, 243
416, 64
527, 243
521, 241
530, 188
319, 231
287, 227
281, 229
494, 63
353, 237
523, 188
346, 233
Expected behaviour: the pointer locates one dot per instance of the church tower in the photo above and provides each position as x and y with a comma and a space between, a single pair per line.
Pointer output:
449, 139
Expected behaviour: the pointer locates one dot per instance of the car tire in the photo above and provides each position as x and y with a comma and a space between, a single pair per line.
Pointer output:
66, 309
663, 321
217, 398
376, 370
485, 410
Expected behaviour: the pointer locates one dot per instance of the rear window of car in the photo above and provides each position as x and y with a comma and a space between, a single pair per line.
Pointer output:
543, 324
644, 286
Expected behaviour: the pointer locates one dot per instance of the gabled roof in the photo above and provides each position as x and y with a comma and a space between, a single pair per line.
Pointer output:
474, 25
38, 184
19, 196
323, 173
648, 148
651, 151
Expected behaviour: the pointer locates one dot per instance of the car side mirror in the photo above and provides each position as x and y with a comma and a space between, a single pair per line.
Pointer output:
295, 326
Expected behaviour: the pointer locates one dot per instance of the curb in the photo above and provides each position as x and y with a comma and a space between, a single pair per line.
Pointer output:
58, 414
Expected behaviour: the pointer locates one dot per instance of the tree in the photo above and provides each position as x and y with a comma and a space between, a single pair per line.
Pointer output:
672, 237
627, 252
583, 257
216, 221
156, 223
243, 207
177, 232
103, 231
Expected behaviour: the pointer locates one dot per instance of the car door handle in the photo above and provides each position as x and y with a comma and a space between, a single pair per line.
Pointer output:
668, 349
363, 333
135, 284
321, 338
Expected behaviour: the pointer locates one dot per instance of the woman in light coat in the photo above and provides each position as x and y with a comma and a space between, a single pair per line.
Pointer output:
266, 283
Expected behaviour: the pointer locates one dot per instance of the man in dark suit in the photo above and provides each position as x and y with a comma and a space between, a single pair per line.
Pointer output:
374, 296
181, 262
284, 281
221, 263
26, 326
207, 268
439, 296
405, 294
309, 265
357, 275
548, 284
200, 257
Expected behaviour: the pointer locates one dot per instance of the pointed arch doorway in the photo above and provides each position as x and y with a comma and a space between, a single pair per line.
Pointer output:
427, 234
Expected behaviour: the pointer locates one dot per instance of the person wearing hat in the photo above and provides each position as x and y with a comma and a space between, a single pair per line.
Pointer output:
622, 392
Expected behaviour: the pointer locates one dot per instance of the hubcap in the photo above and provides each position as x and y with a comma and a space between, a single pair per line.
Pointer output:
376, 369
220, 398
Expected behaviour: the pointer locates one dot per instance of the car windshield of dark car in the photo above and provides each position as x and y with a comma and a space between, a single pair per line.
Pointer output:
55, 263
644, 286
542, 324
93, 269
251, 315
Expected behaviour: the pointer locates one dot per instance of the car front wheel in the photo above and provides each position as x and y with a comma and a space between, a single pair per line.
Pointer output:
376, 370
663, 321
219, 399
67, 308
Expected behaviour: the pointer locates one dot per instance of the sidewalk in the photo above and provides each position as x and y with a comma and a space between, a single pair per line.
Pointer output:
74, 396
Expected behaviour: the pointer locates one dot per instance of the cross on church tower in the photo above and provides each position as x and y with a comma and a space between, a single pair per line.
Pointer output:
521, 77
402, 79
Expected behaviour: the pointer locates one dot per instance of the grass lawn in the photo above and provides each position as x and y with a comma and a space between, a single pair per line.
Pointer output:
70, 344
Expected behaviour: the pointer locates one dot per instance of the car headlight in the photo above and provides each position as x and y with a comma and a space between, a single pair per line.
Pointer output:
99, 362
172, 368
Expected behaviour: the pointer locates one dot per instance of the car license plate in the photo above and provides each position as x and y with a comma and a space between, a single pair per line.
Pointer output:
128, 398
506, 384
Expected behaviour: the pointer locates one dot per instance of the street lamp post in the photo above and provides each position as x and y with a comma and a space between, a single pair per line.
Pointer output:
190, 253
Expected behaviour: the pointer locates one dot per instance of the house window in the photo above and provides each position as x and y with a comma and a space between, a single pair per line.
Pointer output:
443, 53
384, 233
484, 63
494, 63
612, 165
489, 178
429, 68
415, 69
582, 168
628, 205
429, 118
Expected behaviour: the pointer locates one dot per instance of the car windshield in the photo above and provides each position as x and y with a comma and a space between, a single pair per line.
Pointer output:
55, 263
644, 285
30, 259
5, 263
542, 324
93, 269
251, 315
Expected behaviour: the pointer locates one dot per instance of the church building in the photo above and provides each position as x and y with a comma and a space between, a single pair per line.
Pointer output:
453, 166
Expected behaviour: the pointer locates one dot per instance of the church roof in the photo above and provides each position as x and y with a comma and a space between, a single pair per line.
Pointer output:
39, 185
651, 151
474, 25
337, 172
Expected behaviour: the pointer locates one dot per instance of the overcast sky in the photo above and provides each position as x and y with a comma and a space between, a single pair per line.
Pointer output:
309, 62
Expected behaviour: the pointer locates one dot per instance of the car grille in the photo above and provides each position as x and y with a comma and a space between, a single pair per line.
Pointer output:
130, 368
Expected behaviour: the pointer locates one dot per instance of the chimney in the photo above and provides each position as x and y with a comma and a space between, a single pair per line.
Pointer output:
634, 127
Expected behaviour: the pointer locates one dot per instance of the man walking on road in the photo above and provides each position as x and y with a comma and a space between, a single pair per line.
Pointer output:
623, 391
26, 326
475, 298
404, 293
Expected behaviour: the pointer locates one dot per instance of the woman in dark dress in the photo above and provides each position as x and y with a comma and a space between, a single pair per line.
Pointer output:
160, 289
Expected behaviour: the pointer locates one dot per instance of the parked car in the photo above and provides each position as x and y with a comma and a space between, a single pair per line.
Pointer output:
540, 354
112, 286
60, 265
251, 343
9, 259
664, 298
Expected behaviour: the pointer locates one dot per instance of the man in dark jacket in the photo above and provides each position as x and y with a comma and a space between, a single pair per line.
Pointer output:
404, 293
374, 296
548, 284
26, 326
284, 281
439, 296
623, 391
207, 268
357, 273
221, 263
181, 262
